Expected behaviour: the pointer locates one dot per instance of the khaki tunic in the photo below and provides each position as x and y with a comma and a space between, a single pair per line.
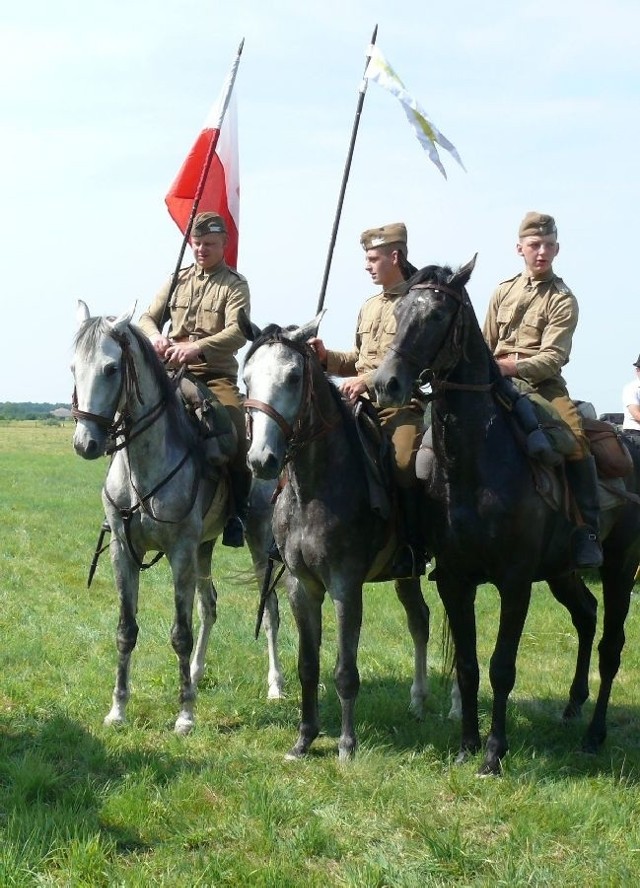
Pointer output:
204, 308
534, 321
375, 330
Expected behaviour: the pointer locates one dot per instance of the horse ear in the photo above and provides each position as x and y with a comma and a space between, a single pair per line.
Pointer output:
301, 334
124, 320
462, 275
82, 313
248, 329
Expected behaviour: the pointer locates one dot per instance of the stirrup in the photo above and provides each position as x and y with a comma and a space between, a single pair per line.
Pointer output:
233, 533
586, 551
407, 563
274, 553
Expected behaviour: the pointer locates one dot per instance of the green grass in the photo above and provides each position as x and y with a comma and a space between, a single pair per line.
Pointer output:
83, 805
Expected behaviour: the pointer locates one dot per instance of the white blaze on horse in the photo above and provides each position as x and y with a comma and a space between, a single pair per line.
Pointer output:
155, 496
330, 537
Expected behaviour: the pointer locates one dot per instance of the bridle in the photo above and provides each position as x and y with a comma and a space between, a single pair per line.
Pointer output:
124, 427
302, 430
454, 338
128, 429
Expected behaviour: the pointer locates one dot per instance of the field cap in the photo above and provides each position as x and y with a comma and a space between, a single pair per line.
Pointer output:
637, 363
394, 233
208, 223
537, 223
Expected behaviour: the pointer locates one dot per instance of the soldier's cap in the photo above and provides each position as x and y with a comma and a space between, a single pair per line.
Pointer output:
208, 223
394, 233
537, 223
637, 363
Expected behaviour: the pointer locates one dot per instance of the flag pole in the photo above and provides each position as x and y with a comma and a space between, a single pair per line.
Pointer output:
227, 90
345, 177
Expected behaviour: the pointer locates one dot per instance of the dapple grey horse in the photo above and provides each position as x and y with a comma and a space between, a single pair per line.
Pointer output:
156, 498
330, 538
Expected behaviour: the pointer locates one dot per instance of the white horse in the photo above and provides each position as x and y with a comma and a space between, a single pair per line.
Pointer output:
156, 498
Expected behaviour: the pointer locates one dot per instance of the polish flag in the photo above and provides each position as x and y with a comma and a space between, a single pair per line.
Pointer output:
220, 190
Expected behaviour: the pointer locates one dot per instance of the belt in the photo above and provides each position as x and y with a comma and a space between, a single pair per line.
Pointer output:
631, 431
192, 337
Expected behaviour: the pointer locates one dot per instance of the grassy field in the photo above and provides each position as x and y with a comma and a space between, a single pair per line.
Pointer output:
83, 805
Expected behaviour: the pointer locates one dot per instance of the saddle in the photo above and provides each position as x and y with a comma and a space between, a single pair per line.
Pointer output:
214, 428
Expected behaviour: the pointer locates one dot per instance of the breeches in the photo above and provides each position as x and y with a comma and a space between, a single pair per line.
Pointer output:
229, 396
556, 393
403, 426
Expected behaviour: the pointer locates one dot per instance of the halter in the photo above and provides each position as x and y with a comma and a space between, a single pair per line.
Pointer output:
297, 434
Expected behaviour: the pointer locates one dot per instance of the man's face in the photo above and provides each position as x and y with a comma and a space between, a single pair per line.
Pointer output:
538, 252
208, 250
383, 267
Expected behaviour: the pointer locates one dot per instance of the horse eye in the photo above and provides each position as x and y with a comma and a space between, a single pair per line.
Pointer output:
110, 370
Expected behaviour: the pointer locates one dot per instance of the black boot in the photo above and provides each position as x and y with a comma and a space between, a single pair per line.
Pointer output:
537, 444
274, 553
585, 540
409, 560
233, 534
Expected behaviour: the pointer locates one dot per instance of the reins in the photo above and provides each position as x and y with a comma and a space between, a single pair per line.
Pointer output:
128, 430
297, 435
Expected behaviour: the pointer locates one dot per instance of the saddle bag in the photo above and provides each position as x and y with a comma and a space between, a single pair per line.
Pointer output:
613, 460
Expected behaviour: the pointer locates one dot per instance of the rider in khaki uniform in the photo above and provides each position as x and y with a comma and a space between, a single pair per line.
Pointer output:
529, 328
386, 262
204, 335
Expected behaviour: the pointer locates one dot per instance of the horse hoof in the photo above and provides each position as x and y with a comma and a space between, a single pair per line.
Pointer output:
114, 721
276, 692
183, 726
294, 755
490, 769
572, 711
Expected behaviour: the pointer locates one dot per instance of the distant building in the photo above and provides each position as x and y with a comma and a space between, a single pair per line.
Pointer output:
61, 413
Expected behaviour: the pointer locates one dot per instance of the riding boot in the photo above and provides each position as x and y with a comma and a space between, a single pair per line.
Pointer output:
233, 534
538, 445
585, 541
273, 552
409, 560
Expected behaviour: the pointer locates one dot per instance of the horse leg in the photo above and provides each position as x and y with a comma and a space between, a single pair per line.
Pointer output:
514, 605
617, 583
259, 537
127, 579
306, 605
348, 608
183, 569
410, 595
458, 599
206, 601
572, 593
270, 623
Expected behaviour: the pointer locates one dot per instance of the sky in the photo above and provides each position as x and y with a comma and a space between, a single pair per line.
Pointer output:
100, 103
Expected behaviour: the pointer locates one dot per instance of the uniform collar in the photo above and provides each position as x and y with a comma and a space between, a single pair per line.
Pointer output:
210, 272
396, 290
533, 282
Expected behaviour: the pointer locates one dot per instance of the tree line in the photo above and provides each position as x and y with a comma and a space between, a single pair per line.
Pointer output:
10, 410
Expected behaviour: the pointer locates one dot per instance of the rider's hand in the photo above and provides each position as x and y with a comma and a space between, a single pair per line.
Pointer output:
319, 348
353, 387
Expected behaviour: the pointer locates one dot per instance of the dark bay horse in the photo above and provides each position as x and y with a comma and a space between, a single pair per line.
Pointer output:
327, 533
488, 522
156, 498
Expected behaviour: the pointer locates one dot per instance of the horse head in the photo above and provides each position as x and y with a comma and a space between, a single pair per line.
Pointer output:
277, 382
430, 322
99, 378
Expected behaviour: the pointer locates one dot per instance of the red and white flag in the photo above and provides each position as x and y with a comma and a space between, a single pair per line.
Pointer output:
219, 192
